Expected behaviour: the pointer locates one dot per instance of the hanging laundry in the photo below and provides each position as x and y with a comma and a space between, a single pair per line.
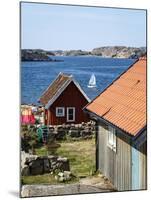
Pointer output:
27, 116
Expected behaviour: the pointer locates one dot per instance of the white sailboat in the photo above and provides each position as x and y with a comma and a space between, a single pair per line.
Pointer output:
92, 81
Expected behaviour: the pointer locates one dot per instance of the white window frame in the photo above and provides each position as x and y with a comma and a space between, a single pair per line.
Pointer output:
112, 138
58, 114
68, 120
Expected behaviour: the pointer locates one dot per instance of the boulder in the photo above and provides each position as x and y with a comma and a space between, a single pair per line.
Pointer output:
74, 133
25, 171
67, 127
64, 176
60, 159
61, 134
60, 127
61, 174
52, 158
63, 164
51, 128
85, 133
36, 166
67, 175
47, 165
30, 159
61, 179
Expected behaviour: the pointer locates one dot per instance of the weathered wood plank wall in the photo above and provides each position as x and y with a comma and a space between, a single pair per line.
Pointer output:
143, 166
117, 166
114, 165
123, 160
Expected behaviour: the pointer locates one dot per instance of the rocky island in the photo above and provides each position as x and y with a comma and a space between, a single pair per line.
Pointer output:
37, 55
119, 52
107, 51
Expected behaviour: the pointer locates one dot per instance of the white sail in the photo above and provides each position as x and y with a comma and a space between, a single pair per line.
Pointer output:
92, 81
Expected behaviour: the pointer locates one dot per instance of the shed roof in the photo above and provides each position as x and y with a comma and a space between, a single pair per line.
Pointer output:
57, 87
123, 103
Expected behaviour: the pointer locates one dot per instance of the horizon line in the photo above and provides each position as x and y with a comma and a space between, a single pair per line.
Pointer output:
83, 49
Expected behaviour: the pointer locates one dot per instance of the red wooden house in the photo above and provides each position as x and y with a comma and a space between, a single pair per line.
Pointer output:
63, 101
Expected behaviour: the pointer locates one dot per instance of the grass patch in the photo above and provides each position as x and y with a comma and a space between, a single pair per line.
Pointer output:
45, 179
39, 179
81, 155
42, 151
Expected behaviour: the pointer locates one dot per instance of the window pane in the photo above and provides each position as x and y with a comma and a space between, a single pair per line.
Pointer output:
112, 138
70, 114
60, 110
70, 111
71, 117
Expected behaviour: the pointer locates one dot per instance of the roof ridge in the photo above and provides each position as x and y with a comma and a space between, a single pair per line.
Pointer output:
65, 75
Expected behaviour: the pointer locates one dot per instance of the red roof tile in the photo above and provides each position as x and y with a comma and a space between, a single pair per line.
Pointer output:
123, 103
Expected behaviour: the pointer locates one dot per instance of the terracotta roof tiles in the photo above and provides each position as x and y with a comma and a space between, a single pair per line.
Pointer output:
123, 103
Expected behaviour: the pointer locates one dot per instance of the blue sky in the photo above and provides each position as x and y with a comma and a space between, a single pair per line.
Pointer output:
54, 27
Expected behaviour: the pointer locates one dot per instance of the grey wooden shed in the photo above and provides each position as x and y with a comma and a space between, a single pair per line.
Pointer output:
121, 129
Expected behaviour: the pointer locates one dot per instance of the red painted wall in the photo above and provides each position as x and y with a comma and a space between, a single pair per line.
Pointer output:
71, 97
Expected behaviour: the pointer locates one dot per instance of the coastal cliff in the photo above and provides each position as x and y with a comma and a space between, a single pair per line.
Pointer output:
119, 52
107, 51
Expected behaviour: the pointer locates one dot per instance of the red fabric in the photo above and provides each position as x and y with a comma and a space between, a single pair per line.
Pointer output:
27, 117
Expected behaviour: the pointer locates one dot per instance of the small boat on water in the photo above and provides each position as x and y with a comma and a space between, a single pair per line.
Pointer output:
92, 81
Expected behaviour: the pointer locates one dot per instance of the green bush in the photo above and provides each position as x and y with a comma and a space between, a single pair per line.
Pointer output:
29, 139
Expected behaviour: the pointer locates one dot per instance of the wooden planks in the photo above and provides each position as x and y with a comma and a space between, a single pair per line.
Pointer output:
123, 165
114, 165
143, 166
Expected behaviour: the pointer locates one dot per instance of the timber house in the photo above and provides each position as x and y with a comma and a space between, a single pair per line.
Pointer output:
121, 141
64, 100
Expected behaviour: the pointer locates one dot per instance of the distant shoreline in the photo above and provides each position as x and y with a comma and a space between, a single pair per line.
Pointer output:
42, 61
104, 52
86, 56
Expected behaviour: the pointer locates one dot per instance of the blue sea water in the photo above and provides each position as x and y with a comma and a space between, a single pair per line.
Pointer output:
36, 76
